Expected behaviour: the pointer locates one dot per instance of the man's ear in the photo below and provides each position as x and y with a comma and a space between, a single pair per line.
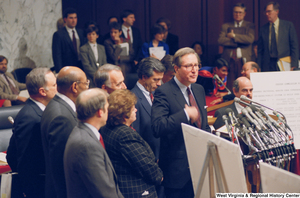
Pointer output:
42, 91
176, 68
74, 87
103, 87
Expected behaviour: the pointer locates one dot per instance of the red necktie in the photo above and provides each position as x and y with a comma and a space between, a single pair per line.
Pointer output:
151, 96
74, 42
128, 35
194, 104
101, 141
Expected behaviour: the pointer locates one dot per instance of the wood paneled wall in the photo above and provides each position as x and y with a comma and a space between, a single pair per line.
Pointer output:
192, 20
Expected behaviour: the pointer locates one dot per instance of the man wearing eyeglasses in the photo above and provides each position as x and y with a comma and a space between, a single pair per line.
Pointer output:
178, 101
236, 38
57, 122
277, 39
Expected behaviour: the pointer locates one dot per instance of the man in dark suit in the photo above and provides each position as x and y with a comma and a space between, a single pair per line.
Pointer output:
178, 101
25, 152
58, 120
67, 41
277, 39
241, 86
88, 169
150, 72
236, 38
131, 33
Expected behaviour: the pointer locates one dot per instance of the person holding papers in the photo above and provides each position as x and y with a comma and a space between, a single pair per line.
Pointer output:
118, 49
156, 48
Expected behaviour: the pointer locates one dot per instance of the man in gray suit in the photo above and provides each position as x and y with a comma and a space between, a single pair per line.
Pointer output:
92, 55
88, 169
277, 39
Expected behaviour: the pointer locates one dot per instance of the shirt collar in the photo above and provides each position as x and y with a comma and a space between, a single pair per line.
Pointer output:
95, 131
276, 23
70, 29
238, 23
182, 87
238, 107
92, 44
39, 104
67, 100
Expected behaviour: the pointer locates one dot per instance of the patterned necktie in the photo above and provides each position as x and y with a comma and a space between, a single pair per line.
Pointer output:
128, 35
11, 86
194, 104
101, 141
74, 42
273, 47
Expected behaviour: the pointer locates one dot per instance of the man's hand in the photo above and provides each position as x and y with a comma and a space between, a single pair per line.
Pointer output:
192, 112
21, 98
231, 34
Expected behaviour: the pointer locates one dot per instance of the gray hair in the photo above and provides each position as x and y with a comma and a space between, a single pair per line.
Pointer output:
255, 65
181, 52
101, 77
36, 79
148, 65
236, 85
87, 106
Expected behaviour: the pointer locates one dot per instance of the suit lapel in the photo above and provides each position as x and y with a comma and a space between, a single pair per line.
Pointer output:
35, 107
68, 38
178, 94
143, 100
62, 102
91, 53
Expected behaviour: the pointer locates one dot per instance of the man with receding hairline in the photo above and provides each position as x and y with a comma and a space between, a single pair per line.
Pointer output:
58, 120
88, 169
249, 67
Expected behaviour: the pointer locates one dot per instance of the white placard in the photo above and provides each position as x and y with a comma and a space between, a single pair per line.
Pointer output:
280, 91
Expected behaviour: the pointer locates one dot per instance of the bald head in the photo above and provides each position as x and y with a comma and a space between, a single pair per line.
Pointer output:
242, 86
249, 67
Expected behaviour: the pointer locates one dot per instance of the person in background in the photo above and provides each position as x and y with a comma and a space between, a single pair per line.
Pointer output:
110, 20
157, 34
92, 55
249, 67
170, 72
200, 49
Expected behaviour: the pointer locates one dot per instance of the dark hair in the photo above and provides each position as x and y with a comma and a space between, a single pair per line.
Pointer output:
86, 107
167, 62
156, 29
69, 11
115, 25
275, 5
125, 14
148, 65
199, 43
2, 58
111, 17
165, 20
221, 62
92, 29
241, 5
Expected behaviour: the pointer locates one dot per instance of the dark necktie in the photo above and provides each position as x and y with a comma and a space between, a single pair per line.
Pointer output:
74, 42
11, 86
273, 48
128, 35
194, 104
101, 141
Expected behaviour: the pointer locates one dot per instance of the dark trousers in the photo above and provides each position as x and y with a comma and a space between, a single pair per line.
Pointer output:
235, 69
186, 192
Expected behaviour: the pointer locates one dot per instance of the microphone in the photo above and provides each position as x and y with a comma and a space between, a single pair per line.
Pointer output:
219, 79
229, 112
10, 119
225, 119
256, 118
238, 100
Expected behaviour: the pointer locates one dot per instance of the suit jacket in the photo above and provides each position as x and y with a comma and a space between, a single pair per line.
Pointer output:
222, 111
243, 41
25, 152
287, 44
137, 42
142, 124
133, 160
88, 169
58, 121
5, 91
167, 115
63, 52
173, 43
89, 62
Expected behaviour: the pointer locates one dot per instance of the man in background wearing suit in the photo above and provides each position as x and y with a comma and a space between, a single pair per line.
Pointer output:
88, 169
277, 39
67, 41
58, 120
178, 101
9, 87
150, 72
241, 86
236, 38
25, 152
92, 54
109, 78
131, 33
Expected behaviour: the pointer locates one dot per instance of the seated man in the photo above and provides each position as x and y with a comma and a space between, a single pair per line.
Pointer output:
9, 87
249, 67
241, 86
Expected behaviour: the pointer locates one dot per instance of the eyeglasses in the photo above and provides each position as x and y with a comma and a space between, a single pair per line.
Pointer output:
191, 66
87, 83
238, 12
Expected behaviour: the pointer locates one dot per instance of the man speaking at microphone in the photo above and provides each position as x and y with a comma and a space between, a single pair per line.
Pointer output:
241, 86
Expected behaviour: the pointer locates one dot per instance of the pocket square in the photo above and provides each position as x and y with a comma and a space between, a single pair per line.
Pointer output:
145, 193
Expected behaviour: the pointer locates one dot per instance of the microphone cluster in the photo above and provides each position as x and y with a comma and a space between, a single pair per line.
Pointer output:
270, 140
